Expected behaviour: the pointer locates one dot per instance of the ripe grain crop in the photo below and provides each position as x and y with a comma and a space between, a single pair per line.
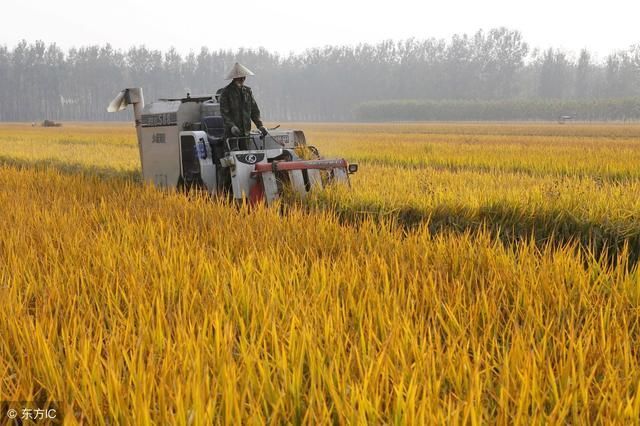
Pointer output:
475, 273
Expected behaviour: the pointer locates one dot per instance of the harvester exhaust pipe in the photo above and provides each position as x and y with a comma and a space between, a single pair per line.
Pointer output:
135, 97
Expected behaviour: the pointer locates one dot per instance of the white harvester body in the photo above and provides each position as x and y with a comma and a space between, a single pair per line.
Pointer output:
182, 145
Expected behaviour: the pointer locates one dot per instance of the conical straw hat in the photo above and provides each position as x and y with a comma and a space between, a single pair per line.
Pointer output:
238, 71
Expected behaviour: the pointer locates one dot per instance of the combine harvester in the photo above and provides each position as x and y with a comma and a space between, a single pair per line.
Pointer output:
182, 145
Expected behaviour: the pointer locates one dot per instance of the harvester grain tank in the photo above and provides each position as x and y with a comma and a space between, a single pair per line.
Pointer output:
182, 145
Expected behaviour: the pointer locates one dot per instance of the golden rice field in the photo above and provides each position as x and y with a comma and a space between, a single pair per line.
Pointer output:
475, 273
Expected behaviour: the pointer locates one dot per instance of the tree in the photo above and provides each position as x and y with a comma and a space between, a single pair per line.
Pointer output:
583, 74
554, 70
501, 55
5, 61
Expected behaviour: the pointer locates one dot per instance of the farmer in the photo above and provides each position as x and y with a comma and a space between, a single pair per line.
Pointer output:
238, 107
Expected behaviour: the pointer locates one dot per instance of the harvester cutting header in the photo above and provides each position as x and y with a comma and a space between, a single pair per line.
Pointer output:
207, 143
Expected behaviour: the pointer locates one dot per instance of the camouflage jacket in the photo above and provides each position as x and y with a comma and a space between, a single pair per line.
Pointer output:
239, 108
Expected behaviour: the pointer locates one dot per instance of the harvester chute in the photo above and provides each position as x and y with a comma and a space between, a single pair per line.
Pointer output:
118, 103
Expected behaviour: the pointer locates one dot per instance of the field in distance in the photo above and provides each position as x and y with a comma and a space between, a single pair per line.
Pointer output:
475, 272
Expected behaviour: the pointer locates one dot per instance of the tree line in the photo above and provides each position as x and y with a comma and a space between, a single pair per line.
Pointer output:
623, 109
493, 71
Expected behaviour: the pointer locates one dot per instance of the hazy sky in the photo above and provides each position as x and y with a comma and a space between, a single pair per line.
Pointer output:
288, 25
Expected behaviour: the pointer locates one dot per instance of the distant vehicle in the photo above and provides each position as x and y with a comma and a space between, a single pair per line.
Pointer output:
49, 123
564, 118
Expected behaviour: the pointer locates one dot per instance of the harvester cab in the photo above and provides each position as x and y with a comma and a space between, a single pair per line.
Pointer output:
182, 145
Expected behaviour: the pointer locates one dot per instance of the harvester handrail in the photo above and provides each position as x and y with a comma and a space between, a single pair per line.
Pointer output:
237, 139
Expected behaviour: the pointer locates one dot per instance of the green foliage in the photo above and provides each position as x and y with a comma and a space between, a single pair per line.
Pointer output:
499, 110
